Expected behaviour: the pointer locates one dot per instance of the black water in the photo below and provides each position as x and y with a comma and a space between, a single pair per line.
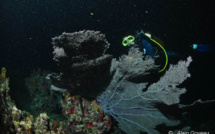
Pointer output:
27, 26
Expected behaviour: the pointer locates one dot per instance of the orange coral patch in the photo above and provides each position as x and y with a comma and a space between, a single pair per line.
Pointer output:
54, 126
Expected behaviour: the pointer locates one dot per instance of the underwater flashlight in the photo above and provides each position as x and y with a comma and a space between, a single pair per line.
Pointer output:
204, 47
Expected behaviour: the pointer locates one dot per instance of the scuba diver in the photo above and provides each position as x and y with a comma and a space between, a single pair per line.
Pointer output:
144, 41
144, 44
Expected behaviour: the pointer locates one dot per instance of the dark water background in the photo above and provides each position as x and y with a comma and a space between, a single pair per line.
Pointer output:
27, 26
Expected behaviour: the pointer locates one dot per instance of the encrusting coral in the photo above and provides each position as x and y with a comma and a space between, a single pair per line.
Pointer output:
42, 124
6, 125
13, 120
3, 74
22, 124
84, 116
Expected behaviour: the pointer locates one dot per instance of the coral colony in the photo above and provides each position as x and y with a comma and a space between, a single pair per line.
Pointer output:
89, 120
92, 87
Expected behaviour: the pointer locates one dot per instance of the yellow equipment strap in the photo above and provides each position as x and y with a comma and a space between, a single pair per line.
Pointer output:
164, 53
